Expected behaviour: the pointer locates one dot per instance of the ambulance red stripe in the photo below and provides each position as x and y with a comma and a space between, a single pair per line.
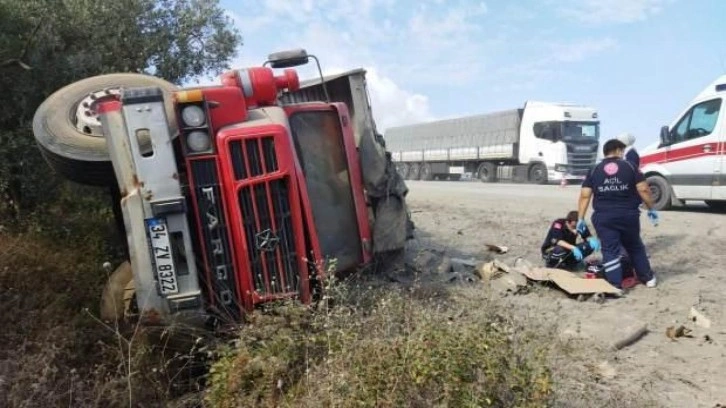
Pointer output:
684, 153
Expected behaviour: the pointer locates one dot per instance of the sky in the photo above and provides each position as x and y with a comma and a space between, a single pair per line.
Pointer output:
639, 62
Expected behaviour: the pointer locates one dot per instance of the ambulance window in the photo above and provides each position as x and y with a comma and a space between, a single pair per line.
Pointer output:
705, 116
698, 122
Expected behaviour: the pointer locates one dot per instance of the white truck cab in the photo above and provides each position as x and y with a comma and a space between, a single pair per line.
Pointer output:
563, 136
688, 164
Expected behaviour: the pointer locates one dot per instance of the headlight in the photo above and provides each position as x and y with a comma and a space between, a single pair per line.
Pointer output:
560, 168
198, 141
193, 115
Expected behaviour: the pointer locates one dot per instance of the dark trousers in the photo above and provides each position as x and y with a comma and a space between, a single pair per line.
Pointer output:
616, 230
559, 257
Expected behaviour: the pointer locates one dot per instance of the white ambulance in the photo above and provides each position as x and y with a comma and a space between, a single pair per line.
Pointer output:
689, 162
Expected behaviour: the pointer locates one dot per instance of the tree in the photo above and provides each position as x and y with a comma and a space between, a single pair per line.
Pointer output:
46, 44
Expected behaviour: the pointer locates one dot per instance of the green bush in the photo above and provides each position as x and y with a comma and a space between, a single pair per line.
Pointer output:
386, 349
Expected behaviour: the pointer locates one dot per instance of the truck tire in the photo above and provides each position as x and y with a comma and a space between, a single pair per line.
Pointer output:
117, 294
68, 132
538, 173
487, 172
426, 172
414, 171
660, 191
402, 170
716, 205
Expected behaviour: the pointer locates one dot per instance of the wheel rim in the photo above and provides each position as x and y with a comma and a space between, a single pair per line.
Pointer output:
401, 168
655, 193
415, 171
425, 171
85, 118
538, 174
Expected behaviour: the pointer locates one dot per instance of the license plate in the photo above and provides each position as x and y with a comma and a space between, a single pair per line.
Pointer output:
163, 259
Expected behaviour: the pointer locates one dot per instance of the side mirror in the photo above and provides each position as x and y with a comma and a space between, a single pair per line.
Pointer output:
288, 59
665, 135
295, 58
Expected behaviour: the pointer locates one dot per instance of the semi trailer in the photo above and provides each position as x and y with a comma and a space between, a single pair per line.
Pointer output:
538, 143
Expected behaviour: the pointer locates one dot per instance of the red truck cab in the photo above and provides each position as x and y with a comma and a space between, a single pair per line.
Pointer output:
272, 196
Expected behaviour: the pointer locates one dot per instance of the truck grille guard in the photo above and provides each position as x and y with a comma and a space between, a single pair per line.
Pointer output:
264, 202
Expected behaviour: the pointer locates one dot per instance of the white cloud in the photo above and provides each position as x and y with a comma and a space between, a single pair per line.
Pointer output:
612, 11
552, 64
399, 46
581, 49
408, 48
393, 106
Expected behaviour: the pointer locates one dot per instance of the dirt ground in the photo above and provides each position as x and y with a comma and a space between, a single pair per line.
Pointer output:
686, 252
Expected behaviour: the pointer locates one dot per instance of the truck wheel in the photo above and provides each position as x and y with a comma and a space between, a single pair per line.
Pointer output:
68, 131
402, 169
117, 294
487, 172
426, 173
660, 191
716, 205
414, 171
538, 173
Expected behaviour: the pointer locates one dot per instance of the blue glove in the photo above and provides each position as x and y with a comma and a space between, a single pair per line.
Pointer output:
594, 243
581, 226
578, 254
653, 216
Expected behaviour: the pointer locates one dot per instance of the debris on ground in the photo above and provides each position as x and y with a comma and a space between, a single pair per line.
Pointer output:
699, 319
502, 278
603, 370
571, 283
444, 265
496, 248
673, 332
633, 333
463, 265
612, 332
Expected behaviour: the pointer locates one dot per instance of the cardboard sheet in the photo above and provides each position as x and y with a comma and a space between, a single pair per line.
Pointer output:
569, 282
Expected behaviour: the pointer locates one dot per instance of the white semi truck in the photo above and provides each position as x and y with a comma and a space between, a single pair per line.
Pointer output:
539, 143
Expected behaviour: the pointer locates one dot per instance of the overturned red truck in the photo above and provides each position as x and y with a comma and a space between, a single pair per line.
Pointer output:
230, 195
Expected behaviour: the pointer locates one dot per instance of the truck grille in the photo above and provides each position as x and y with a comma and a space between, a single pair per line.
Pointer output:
215, 237
268, 230
266, 217
253, 157
581, 158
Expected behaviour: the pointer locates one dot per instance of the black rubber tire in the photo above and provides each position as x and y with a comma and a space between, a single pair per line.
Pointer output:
426, 172
487, 172
402, 169
73, 154
660, 192
414, 171
716, 205
538, 173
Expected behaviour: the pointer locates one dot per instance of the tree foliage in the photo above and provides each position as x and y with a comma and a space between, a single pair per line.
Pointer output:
46, 44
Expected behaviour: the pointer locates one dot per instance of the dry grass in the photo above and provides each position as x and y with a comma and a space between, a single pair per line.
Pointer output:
381, 348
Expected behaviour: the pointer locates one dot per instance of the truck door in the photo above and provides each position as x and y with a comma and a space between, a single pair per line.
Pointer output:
693, 152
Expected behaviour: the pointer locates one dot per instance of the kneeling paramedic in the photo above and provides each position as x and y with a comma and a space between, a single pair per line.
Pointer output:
560, 248
616, 188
